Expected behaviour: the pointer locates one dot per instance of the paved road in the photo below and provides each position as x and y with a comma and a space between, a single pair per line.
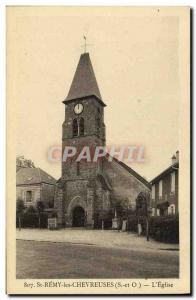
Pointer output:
46, 260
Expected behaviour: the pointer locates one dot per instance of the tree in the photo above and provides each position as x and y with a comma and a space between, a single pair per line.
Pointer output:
30, 217
50, 204
40, 208
118, 207
22, 162
142, 209
20, 207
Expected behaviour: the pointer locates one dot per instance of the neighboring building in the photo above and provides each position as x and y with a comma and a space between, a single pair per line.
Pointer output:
165, 190
86, 189
33, 184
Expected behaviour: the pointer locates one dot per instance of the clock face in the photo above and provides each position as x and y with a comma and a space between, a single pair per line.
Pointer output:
78, 108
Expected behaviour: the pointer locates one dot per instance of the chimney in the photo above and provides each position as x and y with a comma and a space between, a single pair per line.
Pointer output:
177, 155
173, 159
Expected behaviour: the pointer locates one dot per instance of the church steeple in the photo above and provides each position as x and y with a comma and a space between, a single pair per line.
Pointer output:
84, 83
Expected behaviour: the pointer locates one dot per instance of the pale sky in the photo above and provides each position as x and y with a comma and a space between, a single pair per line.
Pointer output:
136, 62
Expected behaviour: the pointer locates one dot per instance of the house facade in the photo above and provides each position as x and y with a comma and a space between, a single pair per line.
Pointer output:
164, 194
34, 184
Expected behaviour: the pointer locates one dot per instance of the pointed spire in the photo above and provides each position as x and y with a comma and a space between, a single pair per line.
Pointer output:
84, 83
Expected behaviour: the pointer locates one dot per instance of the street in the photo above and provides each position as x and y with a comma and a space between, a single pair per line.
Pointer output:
61, 260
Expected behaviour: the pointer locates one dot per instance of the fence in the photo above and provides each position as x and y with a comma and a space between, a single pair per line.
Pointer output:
31, 220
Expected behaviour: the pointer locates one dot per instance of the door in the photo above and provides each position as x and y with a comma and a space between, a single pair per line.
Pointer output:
78, 217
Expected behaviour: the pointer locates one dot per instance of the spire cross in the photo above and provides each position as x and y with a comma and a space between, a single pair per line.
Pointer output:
85, 44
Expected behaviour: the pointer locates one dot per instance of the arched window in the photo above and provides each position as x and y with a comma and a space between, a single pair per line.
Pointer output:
81, 126
75, 127
171, 209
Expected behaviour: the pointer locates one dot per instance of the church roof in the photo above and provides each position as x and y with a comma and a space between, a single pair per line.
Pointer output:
131, 171
84, 83
29, 176
104, 181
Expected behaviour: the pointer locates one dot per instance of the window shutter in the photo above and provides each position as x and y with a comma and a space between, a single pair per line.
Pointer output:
75, 127
160, 188
153, 211
173, 182
32, 196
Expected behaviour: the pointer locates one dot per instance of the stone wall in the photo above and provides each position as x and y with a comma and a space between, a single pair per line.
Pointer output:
125, 186
91, 107
43, 192
59, 205
77, 193
36, 194
94, 198
47, 194
88, 194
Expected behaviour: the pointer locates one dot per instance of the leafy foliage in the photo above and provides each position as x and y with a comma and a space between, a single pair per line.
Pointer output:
20, 207
164, 229
40, 206
31, 216
142, 204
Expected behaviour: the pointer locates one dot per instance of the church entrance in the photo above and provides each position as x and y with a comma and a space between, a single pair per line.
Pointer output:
78, 217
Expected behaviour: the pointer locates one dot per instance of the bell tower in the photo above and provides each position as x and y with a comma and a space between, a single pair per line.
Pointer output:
80, 187
84, 119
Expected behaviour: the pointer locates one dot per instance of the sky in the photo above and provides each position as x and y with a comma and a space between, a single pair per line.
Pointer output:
135, 56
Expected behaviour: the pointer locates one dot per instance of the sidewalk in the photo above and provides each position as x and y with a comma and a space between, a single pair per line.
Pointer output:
101, 238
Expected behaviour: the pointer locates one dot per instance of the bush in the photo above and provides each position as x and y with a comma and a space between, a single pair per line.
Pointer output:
44, 220
132, 223
31, 219
106, 217
163, 229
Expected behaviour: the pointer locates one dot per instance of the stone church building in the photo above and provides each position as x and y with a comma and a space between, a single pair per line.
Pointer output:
87, 189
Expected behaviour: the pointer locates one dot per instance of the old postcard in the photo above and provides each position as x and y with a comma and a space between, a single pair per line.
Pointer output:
98, 150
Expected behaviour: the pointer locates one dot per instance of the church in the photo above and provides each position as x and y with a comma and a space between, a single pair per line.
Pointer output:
87, 189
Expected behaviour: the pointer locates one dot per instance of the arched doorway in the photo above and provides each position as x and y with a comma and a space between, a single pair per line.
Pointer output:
78, 217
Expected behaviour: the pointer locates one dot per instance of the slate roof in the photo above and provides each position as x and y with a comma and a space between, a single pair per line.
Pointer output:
84, 83
131, 171
164, 173
29, 176
104, 181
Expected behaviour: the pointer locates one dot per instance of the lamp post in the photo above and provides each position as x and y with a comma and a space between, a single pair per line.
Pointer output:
142, 210
147, 217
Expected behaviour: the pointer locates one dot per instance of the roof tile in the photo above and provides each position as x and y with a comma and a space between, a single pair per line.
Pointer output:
33, 176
